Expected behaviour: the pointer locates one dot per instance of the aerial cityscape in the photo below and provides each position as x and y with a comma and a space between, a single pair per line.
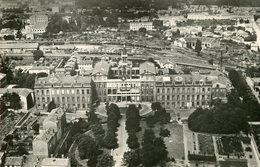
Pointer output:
130, 83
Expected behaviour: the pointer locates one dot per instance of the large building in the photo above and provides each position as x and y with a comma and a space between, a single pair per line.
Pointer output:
135, 26
66, 91
122, 81
38, 23
183, 91
53, 127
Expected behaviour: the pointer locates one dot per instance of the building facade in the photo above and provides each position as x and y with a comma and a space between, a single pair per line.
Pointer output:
71, 92
135, 26
183, 91
52, 129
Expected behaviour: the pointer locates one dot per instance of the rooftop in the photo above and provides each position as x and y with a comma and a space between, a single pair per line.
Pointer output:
147, 67
13, 161
20, 91
63, 80
2, 75
45, 135
55, 162
101, 67
19, 46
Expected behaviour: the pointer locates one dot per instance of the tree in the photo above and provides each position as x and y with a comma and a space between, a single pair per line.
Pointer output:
143, 31
97, 129
87, 147
132, 118
132, 141
51, 106
2, 106
12, 100
132, 158
165, 132
156, 106
198, 47
37, 54
110, 140
42, 75
73, 73
105, 160
21, 151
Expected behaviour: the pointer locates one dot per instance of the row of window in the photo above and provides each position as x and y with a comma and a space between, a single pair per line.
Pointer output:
178, 104
183, 97
183, 90
64, 105
63, 99
62, 91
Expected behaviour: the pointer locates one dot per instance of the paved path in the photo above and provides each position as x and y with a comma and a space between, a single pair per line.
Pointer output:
122, 137
185, 128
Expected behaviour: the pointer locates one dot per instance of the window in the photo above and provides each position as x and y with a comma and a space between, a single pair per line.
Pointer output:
83, 91
168, 97
42, 92
87, 91
83, 106
203, 89
198, 97
158, 90
77, 91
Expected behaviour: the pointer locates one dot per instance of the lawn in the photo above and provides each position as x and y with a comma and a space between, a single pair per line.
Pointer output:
174, 143
205, 144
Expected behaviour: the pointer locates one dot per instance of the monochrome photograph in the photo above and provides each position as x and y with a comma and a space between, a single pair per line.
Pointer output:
129, 83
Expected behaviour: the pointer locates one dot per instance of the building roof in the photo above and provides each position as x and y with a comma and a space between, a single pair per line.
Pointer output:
54, 115
101, 67
147, 67
19, 46
55, 162
2, 75
45, 135
40, 68
13, 161
84, 62
202, 39
64, 79
20, 91
186, 78
256, 79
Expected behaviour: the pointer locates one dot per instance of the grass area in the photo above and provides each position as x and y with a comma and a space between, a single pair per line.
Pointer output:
206, 146
174, 143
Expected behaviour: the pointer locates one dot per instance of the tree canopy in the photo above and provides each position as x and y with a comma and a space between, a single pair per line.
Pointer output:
222, 118
12, 100
87, 147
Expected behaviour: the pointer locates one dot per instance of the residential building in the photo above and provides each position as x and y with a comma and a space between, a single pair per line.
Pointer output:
3, 80
26, 96
66, 91
205, 42
183, 91
39, 23
85, 65
39, 69
55, 162
53, 127
135, 26
18, 47
14, 161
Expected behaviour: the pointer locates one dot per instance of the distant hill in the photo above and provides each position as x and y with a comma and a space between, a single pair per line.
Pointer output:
241, 3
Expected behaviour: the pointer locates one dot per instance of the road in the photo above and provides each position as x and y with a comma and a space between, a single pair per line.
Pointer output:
256, 27
122, 137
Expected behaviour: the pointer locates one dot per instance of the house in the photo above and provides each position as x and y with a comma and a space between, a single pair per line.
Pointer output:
39, 69
135, 26
3, 80
55, 162
26, 96
53, 128
14, 161
205, 42
85, 65
39, 23
18, 47
254, 47
181, 42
